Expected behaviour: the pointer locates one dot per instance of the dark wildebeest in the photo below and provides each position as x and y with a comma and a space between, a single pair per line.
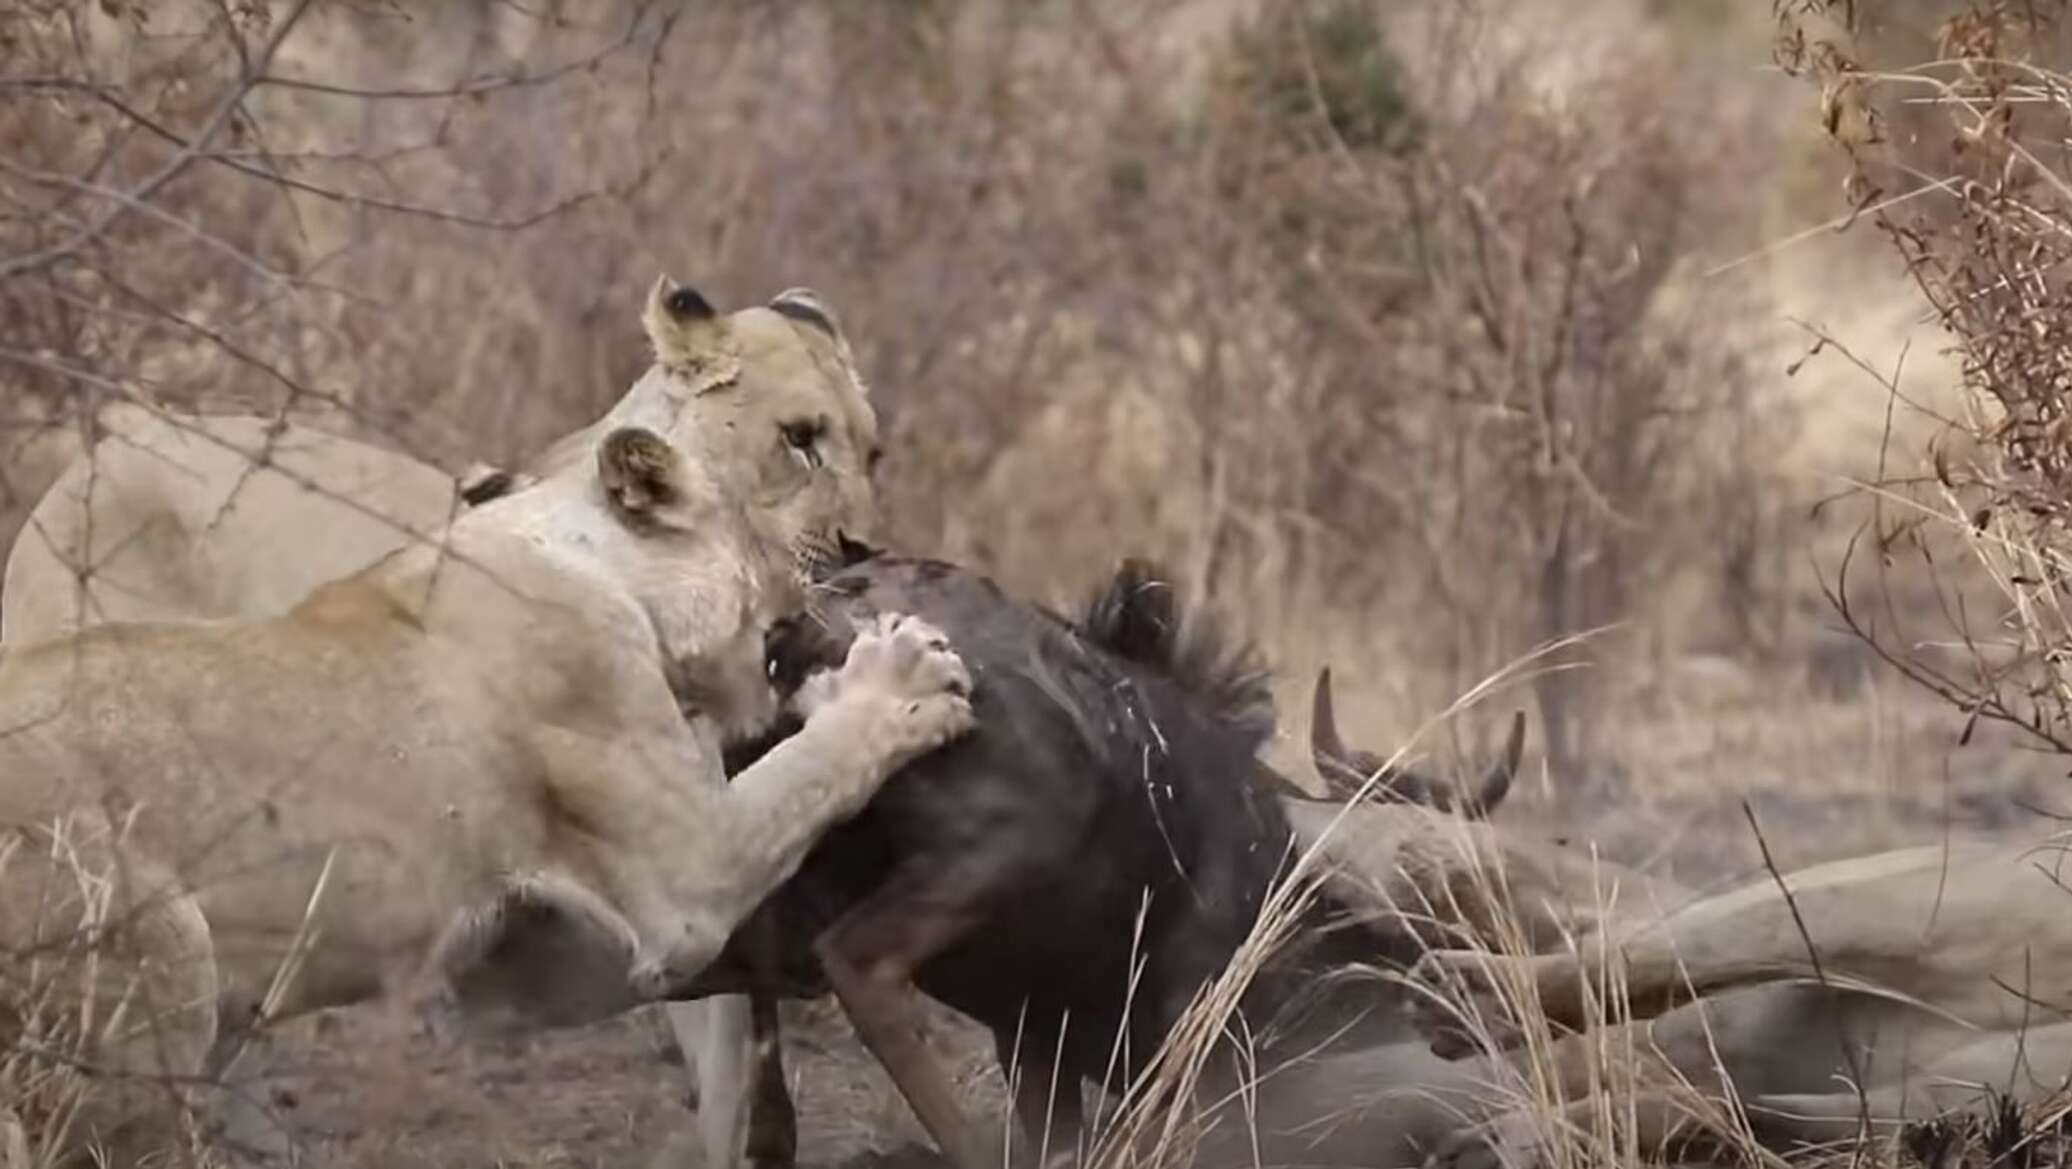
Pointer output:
1070, 875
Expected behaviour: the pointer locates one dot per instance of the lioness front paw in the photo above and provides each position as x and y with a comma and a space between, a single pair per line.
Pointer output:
903, 674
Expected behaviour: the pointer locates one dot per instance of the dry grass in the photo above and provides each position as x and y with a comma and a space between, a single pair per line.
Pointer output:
95, 1006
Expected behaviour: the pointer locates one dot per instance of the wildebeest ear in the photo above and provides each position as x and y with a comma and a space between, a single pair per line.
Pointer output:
639, 469
681, 324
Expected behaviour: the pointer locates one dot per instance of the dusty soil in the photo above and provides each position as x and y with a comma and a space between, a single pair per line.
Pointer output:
368, 1089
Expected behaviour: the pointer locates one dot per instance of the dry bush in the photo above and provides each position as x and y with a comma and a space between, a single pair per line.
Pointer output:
1572, 435
1961, 164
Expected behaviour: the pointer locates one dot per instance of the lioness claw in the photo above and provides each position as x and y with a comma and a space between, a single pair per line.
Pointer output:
904, 665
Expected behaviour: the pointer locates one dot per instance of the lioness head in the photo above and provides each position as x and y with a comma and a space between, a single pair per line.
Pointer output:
766, 402
752, 429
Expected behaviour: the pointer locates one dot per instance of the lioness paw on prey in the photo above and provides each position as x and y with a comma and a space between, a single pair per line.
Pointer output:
900, 693
901, 670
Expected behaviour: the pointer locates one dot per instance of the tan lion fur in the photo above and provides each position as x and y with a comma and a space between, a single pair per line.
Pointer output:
1917, 974
465, 732
172, 517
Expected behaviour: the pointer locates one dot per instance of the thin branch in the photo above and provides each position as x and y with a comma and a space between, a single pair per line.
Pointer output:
186, 155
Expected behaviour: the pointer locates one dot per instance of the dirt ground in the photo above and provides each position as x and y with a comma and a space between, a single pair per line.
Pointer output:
368, 1091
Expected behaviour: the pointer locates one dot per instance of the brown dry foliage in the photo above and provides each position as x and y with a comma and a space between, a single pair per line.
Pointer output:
1961, 164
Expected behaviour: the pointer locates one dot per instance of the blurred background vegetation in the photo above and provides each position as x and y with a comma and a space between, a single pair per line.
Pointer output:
1421, 333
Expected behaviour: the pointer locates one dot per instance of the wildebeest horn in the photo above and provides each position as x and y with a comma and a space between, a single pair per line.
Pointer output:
1326, 749
1496, 783
1346, 772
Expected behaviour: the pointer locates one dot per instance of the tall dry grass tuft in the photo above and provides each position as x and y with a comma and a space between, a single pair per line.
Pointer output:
103, 1006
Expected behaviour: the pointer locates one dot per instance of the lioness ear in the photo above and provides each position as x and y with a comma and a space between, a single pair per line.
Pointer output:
639, 469
681, 325
806, 305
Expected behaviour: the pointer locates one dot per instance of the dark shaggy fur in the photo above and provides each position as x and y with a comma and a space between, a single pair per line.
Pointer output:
1137, 617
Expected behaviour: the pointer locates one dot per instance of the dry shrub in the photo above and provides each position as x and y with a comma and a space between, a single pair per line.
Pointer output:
1961, 164
1567, 404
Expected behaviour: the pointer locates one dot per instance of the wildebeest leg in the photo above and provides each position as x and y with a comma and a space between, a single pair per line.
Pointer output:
773, 1124
734, 1053
870, 957
1047, 1104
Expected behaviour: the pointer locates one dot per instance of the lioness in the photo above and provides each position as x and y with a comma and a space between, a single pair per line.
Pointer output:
176, 518
1921, 975
474, 749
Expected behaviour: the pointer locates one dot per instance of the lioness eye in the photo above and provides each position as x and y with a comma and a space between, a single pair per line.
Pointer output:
801, 435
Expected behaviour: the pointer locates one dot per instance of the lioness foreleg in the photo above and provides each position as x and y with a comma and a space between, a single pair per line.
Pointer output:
901, 693
685, 860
